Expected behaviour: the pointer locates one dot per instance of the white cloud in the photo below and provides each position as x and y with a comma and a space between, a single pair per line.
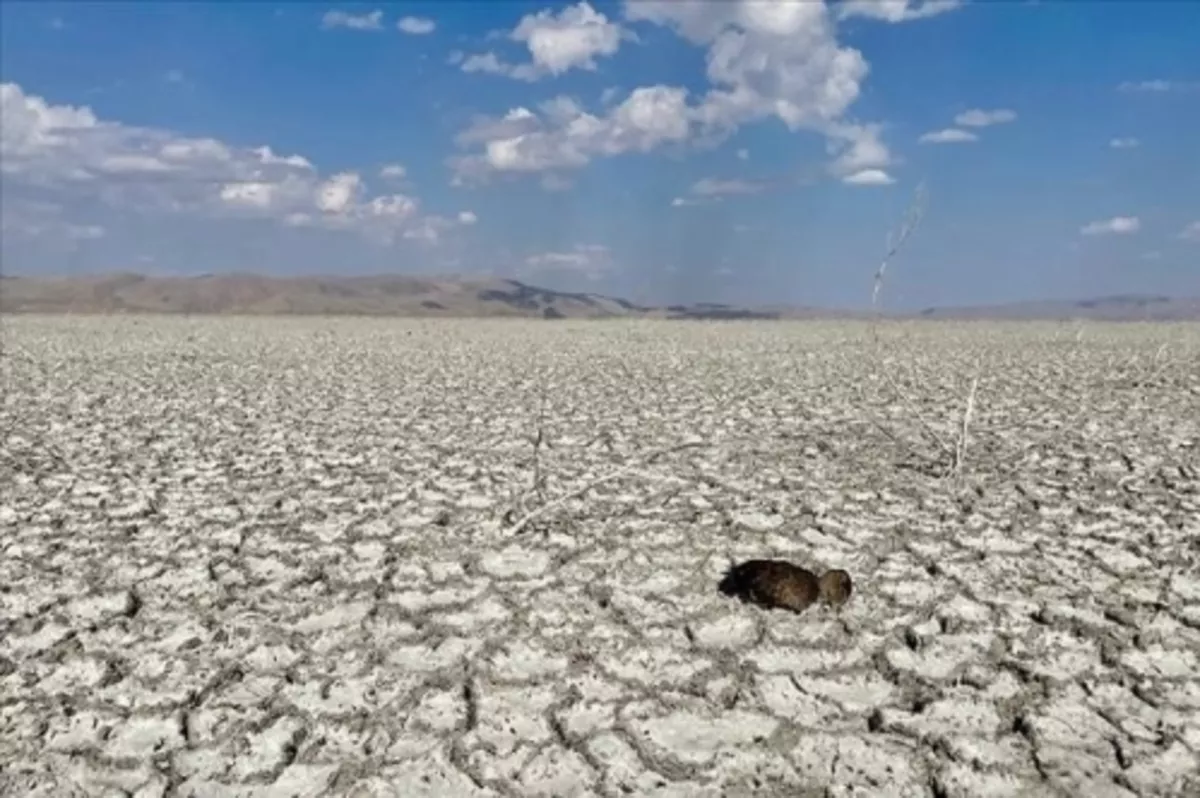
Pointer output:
950, 135
864, 156
591, 261
572, 39
713, 187
977, 117
1123, 143
1118, 225
393, 171
1191, 232
416, 26
764, 60
339, 193
68, 152
1153, 86
340, 19
564, 136
869, 177
467, 218
743, 155
895, 10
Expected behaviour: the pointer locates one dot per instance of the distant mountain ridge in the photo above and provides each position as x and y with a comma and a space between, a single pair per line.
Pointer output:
416, 296
1118, 307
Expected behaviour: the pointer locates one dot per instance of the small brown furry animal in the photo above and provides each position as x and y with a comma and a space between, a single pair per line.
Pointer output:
777, 583
836, 587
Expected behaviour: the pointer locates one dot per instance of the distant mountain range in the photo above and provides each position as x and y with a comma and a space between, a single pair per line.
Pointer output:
396, 295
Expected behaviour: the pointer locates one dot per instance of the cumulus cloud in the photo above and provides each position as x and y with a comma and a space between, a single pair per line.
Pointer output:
564, 136
869, 177
950, 135
372, 20
895, 10
864, 157
1118, 225
977, 117
416, 26
557, 43
67, 151
764, 60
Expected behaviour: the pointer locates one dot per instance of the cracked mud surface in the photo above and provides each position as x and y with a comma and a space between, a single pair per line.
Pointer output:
276, 558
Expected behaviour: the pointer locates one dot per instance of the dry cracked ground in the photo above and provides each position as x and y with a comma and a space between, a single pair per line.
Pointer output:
246, 557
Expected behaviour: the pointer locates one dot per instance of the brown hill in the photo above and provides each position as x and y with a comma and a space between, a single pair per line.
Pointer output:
374, 295
404, 295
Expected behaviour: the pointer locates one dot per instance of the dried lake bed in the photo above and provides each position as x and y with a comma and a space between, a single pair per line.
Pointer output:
303, 557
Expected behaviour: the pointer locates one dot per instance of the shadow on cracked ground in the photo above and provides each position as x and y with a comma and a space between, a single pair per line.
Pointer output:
374, 558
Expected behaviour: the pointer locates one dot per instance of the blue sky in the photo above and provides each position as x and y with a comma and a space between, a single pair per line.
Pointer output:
741, 151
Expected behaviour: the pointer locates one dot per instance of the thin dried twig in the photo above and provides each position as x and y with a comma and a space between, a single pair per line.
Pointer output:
961, 449
620, 472
896, 240
539, 479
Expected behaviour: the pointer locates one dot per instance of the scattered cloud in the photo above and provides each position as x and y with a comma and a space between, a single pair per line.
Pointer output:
564, 136
416, 26
1118, 225
712, 187
372, 20
69, 151
590, 261
557, 43
977, 117
895, 10
950, 135
743, 155
764, 60
1123, 143
863, 157
1152, 86
467, 218
1191, 232
869, 177
393, 171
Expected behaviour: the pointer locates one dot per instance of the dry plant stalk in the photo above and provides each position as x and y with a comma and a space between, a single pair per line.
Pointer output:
539, 479
896, 240
961, 449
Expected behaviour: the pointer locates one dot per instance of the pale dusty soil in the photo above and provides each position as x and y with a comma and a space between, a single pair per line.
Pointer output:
278, 557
